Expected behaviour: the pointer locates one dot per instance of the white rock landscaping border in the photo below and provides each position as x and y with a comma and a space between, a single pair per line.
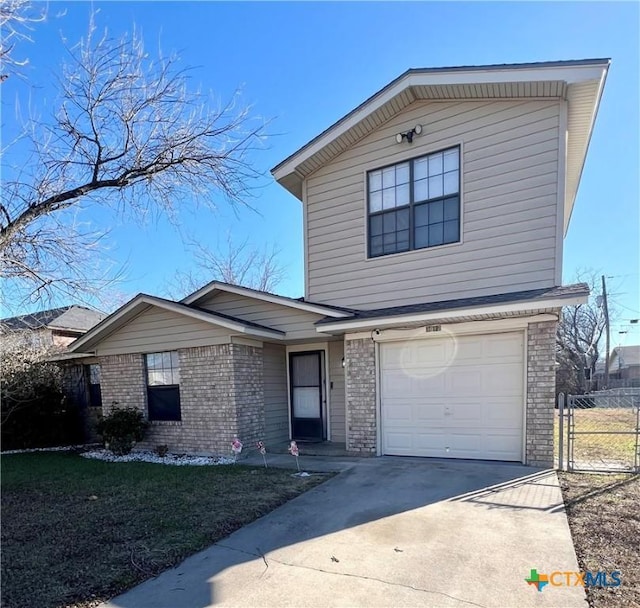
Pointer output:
170, 459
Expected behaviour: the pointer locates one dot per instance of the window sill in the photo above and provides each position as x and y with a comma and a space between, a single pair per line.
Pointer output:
165, 422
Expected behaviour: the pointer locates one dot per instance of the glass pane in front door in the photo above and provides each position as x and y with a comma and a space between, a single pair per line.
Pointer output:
306, 395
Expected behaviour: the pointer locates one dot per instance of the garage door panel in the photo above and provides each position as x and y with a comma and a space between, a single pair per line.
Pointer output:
456, 398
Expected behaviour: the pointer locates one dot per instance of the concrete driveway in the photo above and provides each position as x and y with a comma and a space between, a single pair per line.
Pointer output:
388, 532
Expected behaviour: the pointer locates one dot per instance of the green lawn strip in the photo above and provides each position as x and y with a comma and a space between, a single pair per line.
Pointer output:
604, 519
76, 530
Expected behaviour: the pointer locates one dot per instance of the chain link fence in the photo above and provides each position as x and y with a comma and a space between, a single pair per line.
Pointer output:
600, 431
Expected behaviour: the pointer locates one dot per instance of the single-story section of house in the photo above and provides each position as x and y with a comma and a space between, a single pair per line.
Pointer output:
228, 361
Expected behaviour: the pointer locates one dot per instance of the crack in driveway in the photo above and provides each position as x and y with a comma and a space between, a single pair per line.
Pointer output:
347, 574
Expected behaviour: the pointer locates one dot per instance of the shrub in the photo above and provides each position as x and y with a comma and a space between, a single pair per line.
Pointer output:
122, 428
34, 412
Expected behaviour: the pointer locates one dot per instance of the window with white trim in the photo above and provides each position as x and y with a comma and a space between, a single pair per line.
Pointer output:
414, 204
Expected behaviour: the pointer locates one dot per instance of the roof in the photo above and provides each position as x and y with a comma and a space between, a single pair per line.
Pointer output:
580, 82
142, 302
628, 355
299, 303
74, 318
554, 297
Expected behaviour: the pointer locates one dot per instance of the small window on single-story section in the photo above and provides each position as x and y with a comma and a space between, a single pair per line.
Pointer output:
163, 386
414, 204
95, 392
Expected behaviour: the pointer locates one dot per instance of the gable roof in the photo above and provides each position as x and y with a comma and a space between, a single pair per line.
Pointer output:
580, 82
74, 318
143, 302
627, 355
300, 304
520, 301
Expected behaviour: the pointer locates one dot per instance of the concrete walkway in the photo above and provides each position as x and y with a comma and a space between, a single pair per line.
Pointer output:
388, 532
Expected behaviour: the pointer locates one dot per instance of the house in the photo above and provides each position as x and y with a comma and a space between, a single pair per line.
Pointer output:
53, 330
624, 368
433, 217
55, 327
624, 363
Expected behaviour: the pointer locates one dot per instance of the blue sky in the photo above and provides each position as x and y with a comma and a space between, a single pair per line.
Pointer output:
305, 65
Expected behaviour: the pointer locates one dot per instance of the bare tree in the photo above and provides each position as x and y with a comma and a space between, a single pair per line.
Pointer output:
16, 22
130, 135
580, 330
243, 264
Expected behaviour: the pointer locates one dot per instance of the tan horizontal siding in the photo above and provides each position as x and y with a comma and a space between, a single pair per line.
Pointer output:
157, 330
297, 324
276, 408
509, 207
337, 397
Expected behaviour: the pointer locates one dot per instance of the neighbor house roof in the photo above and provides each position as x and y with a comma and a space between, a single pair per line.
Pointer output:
580, 82
143, 302
69, 318
298, 303
449, 310
628, 355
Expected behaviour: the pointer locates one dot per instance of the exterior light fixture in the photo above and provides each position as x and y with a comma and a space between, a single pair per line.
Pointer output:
344, 363
408, 135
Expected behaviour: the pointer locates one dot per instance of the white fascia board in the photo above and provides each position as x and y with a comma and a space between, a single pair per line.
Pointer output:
486, 326
258, 295
110, 324
569, 74
449, 315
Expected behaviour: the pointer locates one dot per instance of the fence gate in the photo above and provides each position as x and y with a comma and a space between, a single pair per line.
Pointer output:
600, 432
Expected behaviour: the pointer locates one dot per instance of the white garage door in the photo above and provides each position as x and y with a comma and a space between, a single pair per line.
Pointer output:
453, 397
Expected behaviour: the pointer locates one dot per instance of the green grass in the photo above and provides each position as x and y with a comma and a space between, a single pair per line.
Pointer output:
601, 448
75, 530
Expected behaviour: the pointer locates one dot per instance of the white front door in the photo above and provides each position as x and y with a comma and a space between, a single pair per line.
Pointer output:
453, 397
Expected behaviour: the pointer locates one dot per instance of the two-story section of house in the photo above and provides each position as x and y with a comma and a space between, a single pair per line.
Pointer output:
433, 217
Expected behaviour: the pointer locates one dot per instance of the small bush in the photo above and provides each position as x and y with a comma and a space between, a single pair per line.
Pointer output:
162, 450
122, 428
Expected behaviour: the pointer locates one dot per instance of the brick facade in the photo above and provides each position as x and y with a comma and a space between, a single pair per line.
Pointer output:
360, 357
541, 384
221, 397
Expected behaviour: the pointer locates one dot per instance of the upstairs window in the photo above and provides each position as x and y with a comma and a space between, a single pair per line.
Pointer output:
414, 204
163, 386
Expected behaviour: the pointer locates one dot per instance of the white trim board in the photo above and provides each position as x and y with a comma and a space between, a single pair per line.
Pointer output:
470, 327
449, 315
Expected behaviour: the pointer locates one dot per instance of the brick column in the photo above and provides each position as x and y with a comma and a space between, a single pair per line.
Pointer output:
122, 381
361, 396
248, 393
541, 384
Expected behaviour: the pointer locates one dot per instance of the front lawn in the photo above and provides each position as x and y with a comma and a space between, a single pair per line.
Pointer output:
75, 530
604, 518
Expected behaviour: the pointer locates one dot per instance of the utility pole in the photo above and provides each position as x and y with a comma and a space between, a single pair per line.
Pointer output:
608, 335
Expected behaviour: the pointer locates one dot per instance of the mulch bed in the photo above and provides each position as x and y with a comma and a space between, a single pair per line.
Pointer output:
604, 517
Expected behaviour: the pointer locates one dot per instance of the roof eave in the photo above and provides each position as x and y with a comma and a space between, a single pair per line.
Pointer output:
214, 286
142, 302
569, 71
451, 315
